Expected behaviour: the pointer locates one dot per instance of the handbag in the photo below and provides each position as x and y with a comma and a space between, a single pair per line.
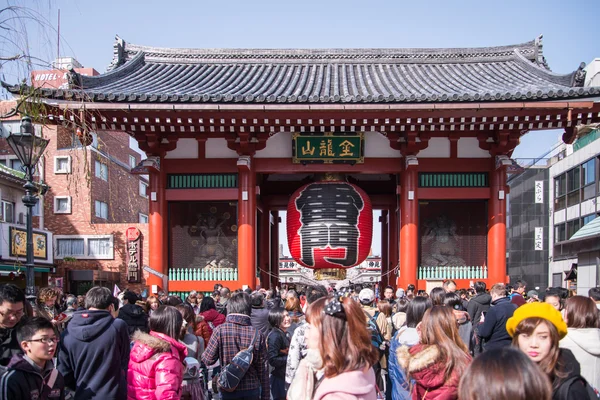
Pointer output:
231, 375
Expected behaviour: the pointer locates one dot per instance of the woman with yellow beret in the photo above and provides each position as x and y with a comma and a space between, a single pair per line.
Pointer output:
536, 329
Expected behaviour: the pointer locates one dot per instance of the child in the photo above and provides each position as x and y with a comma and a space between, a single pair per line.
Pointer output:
32, 375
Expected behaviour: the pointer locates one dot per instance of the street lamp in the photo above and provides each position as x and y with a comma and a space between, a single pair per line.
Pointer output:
29, 148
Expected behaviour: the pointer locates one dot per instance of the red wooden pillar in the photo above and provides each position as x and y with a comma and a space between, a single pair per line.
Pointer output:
157, 225
409, 231
385, 265
393, 241
275, 250
246, 219
265, 247
496, 240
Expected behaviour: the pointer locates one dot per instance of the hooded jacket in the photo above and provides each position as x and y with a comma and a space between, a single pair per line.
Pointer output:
478, 304
24, 381
401, 387
93, 355
426, 367
155, 367
9, 346
585, 346
214, 317
353, 385
135, 318
493, 330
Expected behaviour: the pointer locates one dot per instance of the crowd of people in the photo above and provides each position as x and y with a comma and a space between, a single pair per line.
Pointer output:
317, 343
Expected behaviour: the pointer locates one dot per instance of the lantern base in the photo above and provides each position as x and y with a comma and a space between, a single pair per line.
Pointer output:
330, 274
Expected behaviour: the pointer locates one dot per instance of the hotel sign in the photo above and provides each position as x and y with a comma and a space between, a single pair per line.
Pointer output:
18, 243
328, 148
134, 255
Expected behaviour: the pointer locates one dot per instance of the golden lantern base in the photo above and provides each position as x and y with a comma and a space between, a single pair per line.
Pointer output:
330, 274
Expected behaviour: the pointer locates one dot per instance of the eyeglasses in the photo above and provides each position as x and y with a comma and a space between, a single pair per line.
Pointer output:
46, 340
16, 314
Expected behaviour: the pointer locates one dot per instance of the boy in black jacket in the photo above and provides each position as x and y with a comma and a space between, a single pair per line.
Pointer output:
32, 375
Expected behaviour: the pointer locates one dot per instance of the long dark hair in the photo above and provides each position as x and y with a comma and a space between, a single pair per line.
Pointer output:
166, 320
208, 303
505, 373
415, 311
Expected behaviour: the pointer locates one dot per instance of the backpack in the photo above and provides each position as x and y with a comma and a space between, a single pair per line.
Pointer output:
231, 375
563, 389
376, 336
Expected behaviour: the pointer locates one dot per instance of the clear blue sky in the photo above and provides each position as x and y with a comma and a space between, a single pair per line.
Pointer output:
571, 29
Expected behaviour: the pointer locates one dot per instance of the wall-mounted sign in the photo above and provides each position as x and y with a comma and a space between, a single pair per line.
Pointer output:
134, 255
328, 148
539, 238
539, 192
18, 243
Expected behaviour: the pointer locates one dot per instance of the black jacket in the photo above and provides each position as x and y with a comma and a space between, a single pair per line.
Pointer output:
259, 318
570, 367
23, 381
478, 304
135, 318
9, 346
493, 330
277, 341
93, 356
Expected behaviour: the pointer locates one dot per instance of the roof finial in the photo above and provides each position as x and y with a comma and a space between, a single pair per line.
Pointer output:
579, 76
539, 53
118, 54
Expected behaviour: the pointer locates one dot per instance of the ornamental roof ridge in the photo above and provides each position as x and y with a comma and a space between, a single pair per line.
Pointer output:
124, 52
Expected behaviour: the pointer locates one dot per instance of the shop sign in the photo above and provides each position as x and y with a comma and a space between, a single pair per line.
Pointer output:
18, 244
134, 255
539, 238
329, 148
539, 192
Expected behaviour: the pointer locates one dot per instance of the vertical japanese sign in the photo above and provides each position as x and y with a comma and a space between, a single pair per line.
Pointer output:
539, 238
134, 255
539, 192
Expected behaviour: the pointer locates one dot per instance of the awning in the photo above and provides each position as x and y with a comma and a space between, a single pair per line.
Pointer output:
21, 268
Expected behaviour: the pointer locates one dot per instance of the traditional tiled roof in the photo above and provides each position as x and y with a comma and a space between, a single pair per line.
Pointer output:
160, 75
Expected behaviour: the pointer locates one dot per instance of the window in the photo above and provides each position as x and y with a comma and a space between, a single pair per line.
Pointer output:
143, 189
589, 172
84, 247
3, 162
70, 247
8, 211
62, 205
62, 164
573, 179
132, 161
587, 219
143, 218
560, 186
101, 209
560, 233
572, 227
100, 247
101, 170
16, 164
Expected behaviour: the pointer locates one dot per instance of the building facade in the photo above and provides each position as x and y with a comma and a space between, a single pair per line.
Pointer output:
226, 132
91, 202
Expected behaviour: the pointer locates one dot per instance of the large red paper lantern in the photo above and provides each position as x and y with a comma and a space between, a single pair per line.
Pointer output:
329, 225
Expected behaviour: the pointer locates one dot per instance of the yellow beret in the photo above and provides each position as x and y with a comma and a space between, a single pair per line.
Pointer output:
539, 310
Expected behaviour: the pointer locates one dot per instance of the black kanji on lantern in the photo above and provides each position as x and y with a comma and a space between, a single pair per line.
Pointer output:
329, 216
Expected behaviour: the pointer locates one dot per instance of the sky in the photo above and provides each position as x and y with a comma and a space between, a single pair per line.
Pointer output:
87, 28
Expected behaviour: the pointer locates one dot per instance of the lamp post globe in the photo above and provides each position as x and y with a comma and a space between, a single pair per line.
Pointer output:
28, 147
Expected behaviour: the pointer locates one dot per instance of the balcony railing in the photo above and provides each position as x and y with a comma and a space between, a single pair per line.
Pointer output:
205, 274
440, 272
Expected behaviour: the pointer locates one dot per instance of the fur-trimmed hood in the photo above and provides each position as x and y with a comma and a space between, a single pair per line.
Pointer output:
417, 357
148, 344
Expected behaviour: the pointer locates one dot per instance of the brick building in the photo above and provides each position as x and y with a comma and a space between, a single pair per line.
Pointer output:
92, 200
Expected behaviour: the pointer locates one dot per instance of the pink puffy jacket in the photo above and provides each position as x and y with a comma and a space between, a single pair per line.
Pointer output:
155, 367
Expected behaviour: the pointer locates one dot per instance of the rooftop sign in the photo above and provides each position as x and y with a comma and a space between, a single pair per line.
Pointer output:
328, 148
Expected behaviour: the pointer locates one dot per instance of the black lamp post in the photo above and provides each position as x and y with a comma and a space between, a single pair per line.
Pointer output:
29, 148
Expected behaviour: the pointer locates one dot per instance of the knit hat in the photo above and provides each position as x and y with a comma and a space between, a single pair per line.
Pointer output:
539, 310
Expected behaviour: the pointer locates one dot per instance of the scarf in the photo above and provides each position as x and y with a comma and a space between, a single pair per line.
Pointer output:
309, 371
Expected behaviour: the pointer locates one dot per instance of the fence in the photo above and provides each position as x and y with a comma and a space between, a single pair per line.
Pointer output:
452, 272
